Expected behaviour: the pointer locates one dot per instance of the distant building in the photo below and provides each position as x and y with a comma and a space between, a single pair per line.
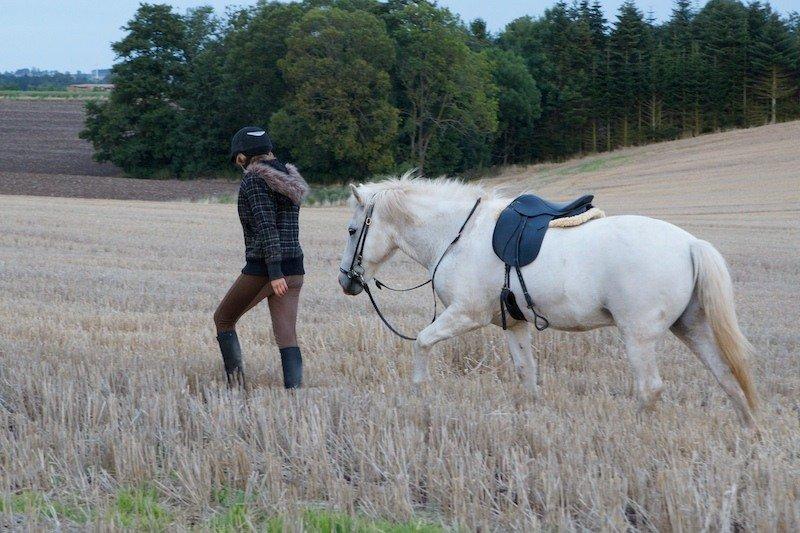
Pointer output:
82, 87
100, 75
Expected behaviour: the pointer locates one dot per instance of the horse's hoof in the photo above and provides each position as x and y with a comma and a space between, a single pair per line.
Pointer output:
648, 403
421, 388
419, 379
751, 426
534, 391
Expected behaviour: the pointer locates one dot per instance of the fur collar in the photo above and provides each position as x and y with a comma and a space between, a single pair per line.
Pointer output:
291, 184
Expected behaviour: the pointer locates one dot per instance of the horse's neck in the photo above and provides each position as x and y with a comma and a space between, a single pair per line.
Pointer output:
425, 243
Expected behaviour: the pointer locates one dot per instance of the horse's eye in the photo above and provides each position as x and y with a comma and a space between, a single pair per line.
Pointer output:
351, 231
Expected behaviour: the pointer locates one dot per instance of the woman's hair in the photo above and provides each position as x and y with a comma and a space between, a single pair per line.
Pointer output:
245, 161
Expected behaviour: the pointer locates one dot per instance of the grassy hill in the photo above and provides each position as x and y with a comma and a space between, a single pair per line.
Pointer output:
742, 172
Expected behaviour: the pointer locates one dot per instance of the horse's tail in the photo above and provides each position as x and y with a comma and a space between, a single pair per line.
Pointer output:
715, 292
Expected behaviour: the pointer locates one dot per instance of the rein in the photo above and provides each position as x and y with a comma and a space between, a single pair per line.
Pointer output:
356, 271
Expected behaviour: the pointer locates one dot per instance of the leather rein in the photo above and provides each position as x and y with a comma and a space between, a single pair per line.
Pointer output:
356, 270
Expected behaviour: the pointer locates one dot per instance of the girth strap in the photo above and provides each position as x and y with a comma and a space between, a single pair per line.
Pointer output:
509, 302
537, 318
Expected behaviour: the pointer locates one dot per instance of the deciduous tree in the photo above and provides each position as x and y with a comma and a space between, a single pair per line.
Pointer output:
518, 104
445, 88
135, 129
338, 122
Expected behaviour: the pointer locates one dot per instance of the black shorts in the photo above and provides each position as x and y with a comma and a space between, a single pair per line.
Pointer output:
292, 266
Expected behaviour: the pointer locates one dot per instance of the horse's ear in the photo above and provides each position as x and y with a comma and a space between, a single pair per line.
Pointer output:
354, 188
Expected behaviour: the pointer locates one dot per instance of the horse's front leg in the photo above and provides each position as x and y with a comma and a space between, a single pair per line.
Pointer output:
451, 322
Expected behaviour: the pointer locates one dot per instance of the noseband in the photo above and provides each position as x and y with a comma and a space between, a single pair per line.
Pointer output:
356, 270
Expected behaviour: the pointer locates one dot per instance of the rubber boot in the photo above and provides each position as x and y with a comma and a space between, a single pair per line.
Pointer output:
232, 357
292, 363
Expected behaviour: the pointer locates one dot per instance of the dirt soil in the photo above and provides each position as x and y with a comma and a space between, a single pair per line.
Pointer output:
42, 155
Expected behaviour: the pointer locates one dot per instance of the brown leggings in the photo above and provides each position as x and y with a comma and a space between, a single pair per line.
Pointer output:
247, 291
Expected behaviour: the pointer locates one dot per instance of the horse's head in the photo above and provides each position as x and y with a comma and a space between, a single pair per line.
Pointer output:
371, 240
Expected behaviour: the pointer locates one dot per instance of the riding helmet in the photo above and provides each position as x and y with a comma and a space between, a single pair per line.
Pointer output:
250, 141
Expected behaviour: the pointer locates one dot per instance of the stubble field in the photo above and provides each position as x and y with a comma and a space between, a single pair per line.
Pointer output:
114, 414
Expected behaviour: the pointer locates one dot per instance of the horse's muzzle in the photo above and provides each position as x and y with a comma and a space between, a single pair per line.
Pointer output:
350, 285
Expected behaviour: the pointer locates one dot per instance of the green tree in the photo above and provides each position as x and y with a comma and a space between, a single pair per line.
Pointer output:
200, 132
445, 89
518, 104
524, 36
773, 59
560, 53
253, 88
684, 76
338, 122
793, 21
479, 35
658, 83
568, 44
629, 64
721, 28
597, 91
794, 26
135, 128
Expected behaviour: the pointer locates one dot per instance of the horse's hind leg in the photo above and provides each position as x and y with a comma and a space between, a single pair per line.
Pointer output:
519, 344
694, 329
640, 347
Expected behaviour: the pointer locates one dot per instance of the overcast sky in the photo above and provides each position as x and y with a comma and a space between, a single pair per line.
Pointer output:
76, 34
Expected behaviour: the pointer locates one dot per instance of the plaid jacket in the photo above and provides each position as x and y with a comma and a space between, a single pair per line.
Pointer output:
269, 205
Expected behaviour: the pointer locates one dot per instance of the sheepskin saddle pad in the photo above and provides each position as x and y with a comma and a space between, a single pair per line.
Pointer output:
577, 220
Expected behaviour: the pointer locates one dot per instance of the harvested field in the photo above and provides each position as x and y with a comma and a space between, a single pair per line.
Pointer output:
41, 137
110, 378
42, 155
111, 188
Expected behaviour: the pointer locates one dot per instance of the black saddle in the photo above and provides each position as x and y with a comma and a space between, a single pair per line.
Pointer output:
517, 238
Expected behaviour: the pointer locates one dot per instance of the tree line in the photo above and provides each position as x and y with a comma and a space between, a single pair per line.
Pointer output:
38, 80
354, 88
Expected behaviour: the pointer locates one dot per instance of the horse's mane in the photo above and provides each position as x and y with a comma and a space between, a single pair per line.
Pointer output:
390, 195
410, 182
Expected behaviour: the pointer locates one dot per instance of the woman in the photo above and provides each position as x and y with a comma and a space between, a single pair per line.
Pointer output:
269, 203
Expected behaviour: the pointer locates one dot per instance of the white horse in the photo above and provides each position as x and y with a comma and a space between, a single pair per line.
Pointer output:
644, 275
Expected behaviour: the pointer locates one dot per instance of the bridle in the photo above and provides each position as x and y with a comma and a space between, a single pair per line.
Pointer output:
356, 270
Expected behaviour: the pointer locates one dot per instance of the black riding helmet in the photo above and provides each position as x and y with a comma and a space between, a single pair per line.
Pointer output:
250, 141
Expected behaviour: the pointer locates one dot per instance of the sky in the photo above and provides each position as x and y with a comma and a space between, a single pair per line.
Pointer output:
72, 35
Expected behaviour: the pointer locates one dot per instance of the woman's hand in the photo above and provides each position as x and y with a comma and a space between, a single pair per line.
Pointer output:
279, 286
